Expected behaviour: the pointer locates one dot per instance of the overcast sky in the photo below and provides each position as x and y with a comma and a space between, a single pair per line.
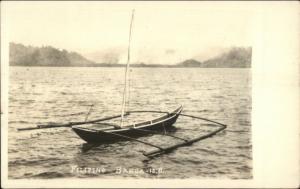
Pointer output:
163, 32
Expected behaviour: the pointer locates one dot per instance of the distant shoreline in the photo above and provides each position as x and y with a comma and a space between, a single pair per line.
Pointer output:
47, 56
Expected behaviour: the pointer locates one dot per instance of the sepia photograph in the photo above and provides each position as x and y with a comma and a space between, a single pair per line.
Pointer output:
127, 90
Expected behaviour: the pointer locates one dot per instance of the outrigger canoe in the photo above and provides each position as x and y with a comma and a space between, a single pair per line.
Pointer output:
110, 133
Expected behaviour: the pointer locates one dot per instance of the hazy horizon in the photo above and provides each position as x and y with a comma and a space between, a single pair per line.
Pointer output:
163, 33
111, 57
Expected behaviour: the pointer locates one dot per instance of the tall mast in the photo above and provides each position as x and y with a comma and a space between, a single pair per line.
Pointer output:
126, 72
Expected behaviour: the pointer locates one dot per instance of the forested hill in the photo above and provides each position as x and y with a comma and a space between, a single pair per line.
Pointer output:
237, 57
20, 55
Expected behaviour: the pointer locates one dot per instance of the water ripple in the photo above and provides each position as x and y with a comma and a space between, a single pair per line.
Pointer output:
43, 95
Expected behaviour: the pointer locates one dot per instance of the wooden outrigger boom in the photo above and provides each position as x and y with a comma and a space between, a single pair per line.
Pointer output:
188, 142
53, 125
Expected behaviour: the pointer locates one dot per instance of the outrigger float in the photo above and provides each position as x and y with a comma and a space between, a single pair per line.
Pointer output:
110, 133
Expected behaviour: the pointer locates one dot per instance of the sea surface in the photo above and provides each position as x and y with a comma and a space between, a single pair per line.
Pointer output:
40, 95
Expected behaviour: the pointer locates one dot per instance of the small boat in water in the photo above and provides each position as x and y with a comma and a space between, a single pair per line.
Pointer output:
98, 132
113, 133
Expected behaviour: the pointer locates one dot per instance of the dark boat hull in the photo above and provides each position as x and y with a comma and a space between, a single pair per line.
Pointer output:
108, 136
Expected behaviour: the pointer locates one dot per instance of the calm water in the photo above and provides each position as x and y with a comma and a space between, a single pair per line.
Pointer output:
41, 95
